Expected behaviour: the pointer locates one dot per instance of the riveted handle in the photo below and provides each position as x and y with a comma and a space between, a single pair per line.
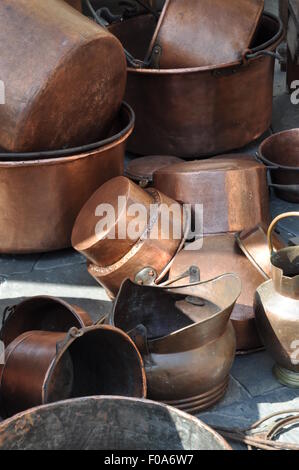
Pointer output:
273, 225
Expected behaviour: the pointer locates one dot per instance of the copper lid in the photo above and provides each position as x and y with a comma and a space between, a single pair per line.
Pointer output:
143, 169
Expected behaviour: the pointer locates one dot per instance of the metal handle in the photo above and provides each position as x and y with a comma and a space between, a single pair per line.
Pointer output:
260, 159
273, 225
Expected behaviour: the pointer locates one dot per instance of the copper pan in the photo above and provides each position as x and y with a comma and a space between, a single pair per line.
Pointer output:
71, 97
42, 196
106, 242
142, 169
42, 313
193, 112
185, 336
187, 35
220, 254
280, 153
232, 190
43, 367
150, 258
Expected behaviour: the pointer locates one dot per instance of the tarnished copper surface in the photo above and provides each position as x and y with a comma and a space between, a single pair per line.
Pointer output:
198, 111
43, 367
42, 313
65, 92
218, 255
187, 35
154, 251
106, 423
107, 243
75, 4
142, 169
184, 335
40, 199
281, 152
231, 188
254, 245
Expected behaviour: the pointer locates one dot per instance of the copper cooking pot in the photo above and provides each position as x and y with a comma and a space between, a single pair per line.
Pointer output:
277, 310
280, 153
106, 423
73, 96
42, 196
75, 4
42, 313
185, 338
141, 170
42, 367
149, 260
232, 190
187, 35
199, 111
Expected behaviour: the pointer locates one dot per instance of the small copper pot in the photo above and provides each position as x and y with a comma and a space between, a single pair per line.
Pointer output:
185, 337
42, 313
141, 170
42, 367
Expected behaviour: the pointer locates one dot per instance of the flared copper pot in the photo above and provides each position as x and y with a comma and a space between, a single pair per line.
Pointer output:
219, 254
106, 423
185, 337
42, 313
200, 111
40, 199
43, 367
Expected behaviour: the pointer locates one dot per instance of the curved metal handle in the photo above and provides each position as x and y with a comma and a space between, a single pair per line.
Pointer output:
273, 225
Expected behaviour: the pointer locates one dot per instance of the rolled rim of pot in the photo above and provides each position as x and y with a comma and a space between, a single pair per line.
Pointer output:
271, 140
75, 151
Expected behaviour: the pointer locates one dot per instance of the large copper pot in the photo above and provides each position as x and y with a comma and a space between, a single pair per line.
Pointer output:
108, 423
43, 367
277, 310
75, 4
41, 198
185, 337
199, 111
64, 76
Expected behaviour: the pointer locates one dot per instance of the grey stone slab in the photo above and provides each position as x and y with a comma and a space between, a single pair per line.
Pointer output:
59, 259
272, 6
285, 114
18, 264
289, 225
254, 373
236, 393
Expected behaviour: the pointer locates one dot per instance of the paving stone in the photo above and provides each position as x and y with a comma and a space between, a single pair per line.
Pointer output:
17, 264
289, 225
59, 259
254, 373
285, 114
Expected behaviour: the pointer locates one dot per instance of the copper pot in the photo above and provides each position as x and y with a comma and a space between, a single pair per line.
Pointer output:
141, 170
42, 367
75, 4
186, 35
280, 153
149, 260
199, 111
43, 220
231, 188
108, 423
74, 95
277, 310
185, 337
42, 313
219, 254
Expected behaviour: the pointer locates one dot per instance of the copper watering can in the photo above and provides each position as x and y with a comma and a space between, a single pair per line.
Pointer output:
277, 310
185, 337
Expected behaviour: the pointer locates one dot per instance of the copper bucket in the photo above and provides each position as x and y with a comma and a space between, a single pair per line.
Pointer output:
108, 423
277, 310
187, 36
42, 313
63, 181
42, 367
199, 111
185, 337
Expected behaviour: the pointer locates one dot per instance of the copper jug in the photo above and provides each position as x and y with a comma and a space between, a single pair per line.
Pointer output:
185, 337
277, 310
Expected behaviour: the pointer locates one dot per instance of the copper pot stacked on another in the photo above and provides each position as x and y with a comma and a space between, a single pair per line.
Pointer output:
114, 248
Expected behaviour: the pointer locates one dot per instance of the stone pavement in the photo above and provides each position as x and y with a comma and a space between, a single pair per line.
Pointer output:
253, 391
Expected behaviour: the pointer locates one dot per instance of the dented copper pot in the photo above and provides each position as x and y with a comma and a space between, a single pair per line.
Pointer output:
43, 367
185, 337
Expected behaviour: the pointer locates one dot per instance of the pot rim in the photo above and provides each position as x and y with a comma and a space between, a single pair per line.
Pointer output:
68, 155
274, 42
272, 165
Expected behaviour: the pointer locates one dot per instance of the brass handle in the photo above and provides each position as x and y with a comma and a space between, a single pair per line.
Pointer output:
273, 225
